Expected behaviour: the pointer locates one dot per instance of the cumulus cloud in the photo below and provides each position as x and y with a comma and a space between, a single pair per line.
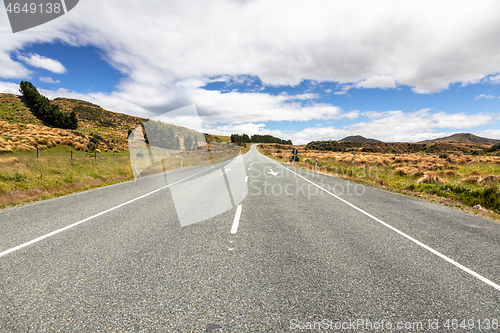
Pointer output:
491, 134
494, 79
414, 126
378, 81
9, 88
171, 40
174, 48
485, 96
36, 60
237, 107
48, 79
390, 126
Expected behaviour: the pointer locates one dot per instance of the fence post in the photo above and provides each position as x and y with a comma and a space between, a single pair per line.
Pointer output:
37, 152
114, 154
181, 162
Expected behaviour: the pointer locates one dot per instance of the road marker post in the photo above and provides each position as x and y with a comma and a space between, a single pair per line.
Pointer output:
316, 166
137, 172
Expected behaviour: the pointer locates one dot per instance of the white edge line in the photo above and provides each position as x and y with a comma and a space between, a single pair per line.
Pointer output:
236, 220
442, 256
55, 232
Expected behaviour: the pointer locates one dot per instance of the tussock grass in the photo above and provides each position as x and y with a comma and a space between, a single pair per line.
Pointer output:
472, 179
26, 137
490, 179
465, 179
431, 177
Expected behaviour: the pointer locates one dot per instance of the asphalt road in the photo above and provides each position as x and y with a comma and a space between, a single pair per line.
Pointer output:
283, 255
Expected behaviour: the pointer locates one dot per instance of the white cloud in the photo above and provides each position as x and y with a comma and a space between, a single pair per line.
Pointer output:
389, 126
113, 102
9, 88
345, 42
495, 79
413, 126
485, 96
213, 107
36, 60
490, 134
236, 107
168, 50
379, 81
48, 79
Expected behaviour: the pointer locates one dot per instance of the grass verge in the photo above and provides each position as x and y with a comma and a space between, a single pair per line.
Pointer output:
471, 183
25, 178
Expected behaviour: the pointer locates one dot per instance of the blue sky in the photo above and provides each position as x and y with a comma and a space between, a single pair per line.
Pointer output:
325, 70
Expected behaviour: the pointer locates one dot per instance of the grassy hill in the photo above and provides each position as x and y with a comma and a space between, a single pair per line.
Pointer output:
67, 161
464, 138
358, 138
98, 129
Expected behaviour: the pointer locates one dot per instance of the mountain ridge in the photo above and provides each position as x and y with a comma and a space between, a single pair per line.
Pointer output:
463, 138
358, 138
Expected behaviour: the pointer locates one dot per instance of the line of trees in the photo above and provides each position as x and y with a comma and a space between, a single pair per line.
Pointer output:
257, 138
44, 110
159, 134
191, 141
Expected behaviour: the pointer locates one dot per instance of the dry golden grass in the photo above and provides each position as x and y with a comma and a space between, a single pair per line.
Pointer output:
463, 180
449, 173
417, 172
472, 179
25, 137
9, 160
402, 171
431, 177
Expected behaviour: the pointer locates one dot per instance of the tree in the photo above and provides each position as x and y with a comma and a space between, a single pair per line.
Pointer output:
188, 142
43, 109
73, 120
177, 144
195, 141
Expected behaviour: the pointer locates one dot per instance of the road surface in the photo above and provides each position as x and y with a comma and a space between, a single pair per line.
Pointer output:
301, 252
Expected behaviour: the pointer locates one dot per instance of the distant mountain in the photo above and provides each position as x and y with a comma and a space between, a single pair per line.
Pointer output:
358, 138
464, 138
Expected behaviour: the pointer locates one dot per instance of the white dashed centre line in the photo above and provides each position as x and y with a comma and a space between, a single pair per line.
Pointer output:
236, 220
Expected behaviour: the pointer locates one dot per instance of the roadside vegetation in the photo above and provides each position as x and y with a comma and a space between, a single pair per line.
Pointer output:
471, 181
25, 178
